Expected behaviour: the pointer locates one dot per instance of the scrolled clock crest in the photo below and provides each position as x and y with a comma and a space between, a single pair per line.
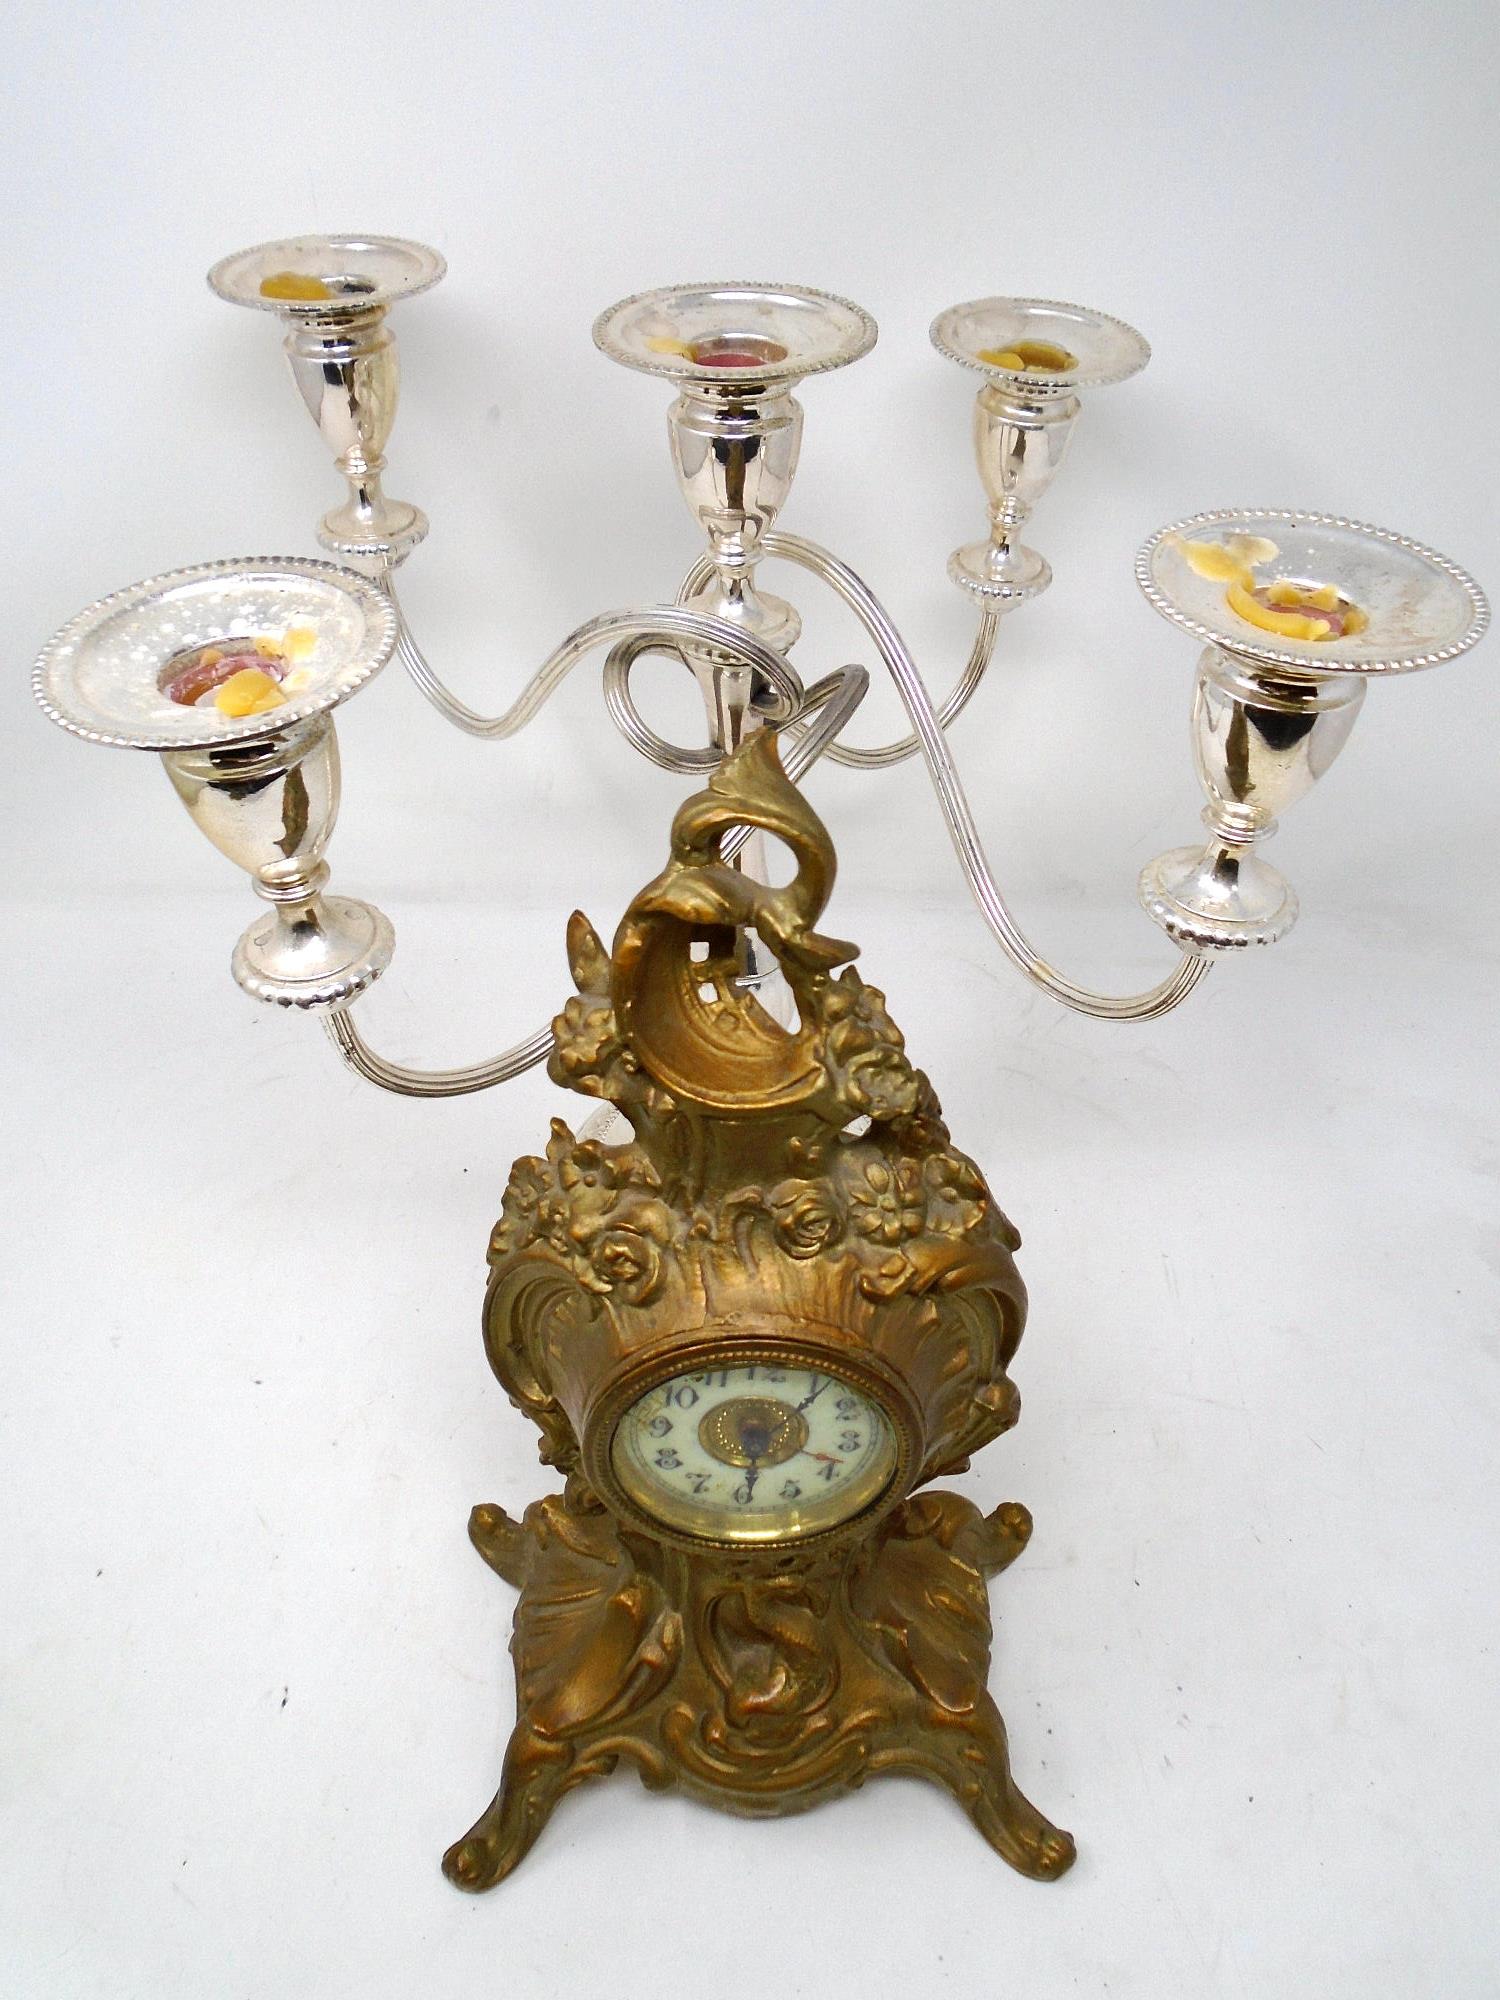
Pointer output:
746, 1335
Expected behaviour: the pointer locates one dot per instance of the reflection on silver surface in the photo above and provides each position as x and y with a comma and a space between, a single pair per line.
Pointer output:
101, 676
1272, 711
1036, 354
1272, 706
332, 294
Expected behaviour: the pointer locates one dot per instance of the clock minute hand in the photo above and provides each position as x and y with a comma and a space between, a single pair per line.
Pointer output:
814, 1394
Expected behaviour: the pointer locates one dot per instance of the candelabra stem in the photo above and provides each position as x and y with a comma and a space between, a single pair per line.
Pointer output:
881, 756
729, 688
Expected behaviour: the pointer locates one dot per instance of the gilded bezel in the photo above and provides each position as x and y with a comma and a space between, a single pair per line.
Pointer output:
724, 1347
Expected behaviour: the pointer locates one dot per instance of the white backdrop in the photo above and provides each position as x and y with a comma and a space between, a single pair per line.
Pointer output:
253, 1676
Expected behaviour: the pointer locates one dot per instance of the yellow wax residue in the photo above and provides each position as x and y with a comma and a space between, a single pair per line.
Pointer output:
295, 285
249, 692
1287, 624
1324, 598
1229, 561
299, 641
1029, 357
661, 344
1288, 609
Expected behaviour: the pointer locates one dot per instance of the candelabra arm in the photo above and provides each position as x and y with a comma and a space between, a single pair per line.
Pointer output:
881, 756
405, 1082
861, 600
657, 626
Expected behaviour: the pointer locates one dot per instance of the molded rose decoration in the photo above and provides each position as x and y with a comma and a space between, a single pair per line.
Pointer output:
808, 1218
628, 1261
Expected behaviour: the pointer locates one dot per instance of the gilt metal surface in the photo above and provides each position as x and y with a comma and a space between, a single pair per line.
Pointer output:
790, 1198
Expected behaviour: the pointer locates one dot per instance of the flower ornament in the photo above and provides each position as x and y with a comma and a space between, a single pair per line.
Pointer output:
957, 1197
885, 1199
880, 1084
519, 1208
865, 1051
626, 1261
809, 1218
586, 1045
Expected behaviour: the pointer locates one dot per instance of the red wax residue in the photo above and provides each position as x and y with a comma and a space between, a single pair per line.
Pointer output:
210, 666
1336, 618
735, 351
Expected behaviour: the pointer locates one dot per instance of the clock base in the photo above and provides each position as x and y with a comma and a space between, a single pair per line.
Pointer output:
760, 1684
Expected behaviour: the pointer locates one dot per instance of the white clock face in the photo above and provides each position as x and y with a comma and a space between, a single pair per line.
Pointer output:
767, 1451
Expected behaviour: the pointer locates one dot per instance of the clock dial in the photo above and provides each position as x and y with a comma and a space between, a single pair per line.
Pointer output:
768, 1451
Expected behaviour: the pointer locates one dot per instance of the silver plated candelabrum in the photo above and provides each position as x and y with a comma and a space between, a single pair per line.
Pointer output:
785, 1188
1296, 613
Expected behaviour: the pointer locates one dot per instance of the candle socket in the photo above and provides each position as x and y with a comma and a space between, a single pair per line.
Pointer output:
332, 294
735, 449
270, 805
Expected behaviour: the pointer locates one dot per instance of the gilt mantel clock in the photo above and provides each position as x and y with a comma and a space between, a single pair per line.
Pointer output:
750, 1337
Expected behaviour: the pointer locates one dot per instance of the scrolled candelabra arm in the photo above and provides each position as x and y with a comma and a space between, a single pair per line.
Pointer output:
404, 1082
861, 600
657, 628
880, 757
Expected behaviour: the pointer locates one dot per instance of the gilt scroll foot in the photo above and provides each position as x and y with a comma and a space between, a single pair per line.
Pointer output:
502, 1541
1000, 1537
979, 1778
535, 1777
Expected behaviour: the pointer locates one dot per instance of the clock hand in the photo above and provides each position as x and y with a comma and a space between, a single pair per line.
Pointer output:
813, 1397
750, 1478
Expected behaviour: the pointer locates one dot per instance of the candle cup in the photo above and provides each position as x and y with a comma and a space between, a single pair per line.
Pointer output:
735, 352
332, 294
1036, 354
263, 786
1274, 703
